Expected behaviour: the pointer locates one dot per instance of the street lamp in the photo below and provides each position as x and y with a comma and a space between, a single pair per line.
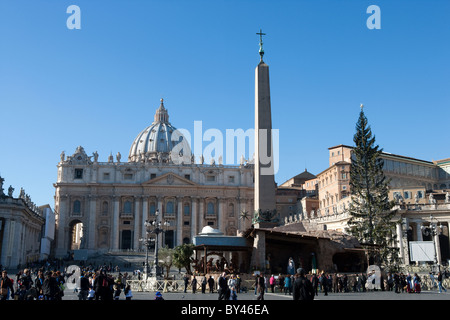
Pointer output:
433, 229
146, 242
155, 227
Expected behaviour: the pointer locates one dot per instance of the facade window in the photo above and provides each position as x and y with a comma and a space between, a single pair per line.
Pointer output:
128, 176
152, 208
77, 206
231, 179
231, 210
105, 208
127, 207
78, 174
187, 176
210, 178
106, 175
169, 207
210, 208
186, 209
152, 175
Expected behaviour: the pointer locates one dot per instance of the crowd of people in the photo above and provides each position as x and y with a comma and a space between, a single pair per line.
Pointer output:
46, 282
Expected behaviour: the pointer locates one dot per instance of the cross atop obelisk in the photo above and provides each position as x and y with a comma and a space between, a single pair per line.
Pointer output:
261, 50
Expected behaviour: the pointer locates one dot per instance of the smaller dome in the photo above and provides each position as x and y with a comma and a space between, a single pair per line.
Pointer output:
209, 231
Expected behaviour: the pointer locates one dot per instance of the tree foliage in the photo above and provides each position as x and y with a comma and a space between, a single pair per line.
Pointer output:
182, 256
165, 259
371, 211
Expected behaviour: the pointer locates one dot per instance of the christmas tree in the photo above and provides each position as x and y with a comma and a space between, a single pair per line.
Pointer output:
371, 215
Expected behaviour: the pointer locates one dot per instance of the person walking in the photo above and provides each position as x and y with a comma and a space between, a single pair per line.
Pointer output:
84, 287
128, 293
315, 283
287, 285
232, 286
238, 284
211, 284
204, 282
440, 286
39, 282
303, 289
194, 284
272, 283
261, 283
223, 287
416, 283
50, 287
324, 283
6, 286
186, 282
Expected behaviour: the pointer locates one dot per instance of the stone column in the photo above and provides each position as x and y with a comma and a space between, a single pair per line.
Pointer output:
419, 231
221, 215
92, 222
161, 215
61, 246
137, 222
179, 235
200, 216
115, 224
399, 232
194, 215
144, 216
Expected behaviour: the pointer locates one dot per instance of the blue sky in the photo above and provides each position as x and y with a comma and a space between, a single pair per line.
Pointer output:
99, 86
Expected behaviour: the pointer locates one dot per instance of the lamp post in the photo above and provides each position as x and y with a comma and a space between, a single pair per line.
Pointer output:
156, 227
146, 242
434, 230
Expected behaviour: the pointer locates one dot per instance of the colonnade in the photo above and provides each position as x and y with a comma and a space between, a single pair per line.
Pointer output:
188, 216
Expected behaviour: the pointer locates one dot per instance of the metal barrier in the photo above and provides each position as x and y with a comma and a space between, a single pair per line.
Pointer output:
153, 284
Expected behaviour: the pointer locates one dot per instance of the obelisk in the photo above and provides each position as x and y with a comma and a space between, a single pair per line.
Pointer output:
264, 197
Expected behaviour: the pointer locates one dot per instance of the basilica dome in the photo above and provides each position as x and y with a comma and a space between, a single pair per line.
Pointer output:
156, 142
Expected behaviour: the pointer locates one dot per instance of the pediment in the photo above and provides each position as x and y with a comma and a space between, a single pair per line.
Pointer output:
169, 179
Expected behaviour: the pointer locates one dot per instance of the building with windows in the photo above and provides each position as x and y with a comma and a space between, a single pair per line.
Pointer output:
103, 206
420, 189
26, 230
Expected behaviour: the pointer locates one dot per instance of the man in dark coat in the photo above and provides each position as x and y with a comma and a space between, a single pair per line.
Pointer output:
303, 289
223, 287
211, 284
50, 287
5, 284
261, 286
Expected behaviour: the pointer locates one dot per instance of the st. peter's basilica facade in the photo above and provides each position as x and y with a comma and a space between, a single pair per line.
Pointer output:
104, 206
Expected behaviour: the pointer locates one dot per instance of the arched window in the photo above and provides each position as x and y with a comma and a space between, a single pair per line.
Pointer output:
210, 208
77, 206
